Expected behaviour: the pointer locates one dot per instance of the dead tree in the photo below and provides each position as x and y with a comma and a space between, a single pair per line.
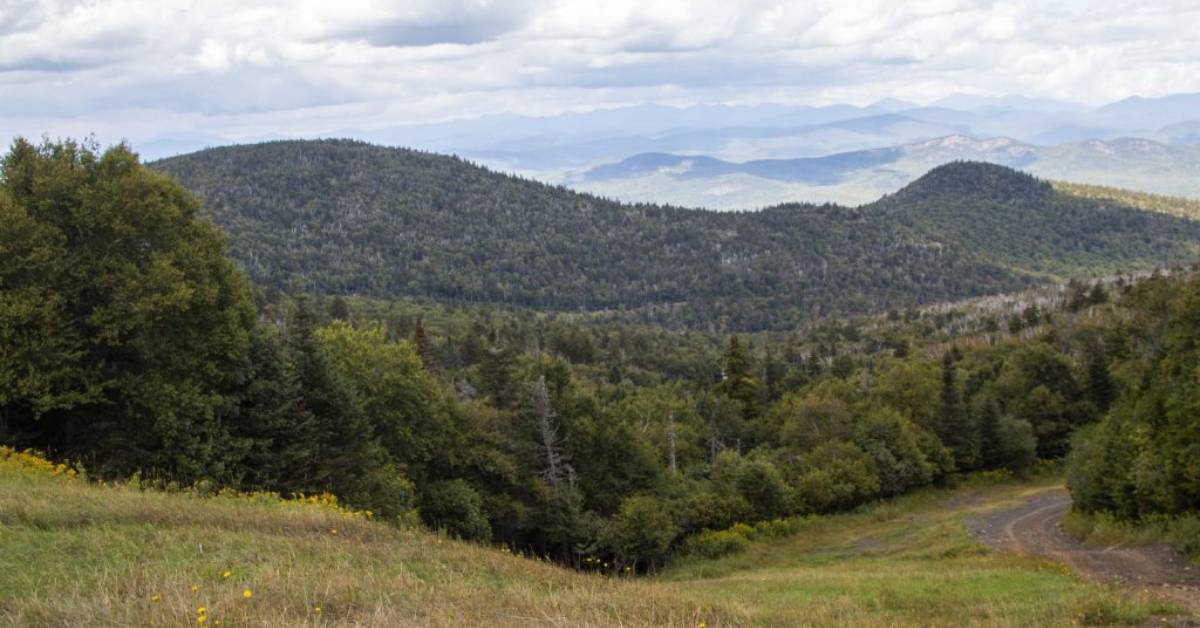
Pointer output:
557, 469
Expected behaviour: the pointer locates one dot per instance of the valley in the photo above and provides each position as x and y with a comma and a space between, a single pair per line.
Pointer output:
508, 313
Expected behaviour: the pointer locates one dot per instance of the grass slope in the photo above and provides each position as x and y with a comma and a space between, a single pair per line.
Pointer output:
81, 554
910, 562
74, 554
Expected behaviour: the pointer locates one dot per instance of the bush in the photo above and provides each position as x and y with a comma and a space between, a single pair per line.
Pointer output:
837, 476
388, 492
717, 543
761, 484
1017, 445
455, 507
707, 509
642, 531
778, 528
891, 441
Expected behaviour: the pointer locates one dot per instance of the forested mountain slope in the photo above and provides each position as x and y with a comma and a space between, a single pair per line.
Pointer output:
347, 217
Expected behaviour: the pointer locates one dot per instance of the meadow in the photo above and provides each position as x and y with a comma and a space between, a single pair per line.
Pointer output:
80, 553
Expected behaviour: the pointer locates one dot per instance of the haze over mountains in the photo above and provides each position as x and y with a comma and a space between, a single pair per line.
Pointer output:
861, 176
741, 157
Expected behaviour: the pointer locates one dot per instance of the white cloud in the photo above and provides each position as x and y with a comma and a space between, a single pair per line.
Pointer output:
136, 68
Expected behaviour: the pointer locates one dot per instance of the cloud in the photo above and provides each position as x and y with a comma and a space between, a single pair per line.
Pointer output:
311, 66
439, 22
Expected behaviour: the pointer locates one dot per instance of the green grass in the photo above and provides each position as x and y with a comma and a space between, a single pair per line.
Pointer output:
910, 562
73, 553
1182, 533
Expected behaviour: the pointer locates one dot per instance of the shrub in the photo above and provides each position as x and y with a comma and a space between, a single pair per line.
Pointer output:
642, 531
837, 476
717, 543
1016, 444
388, 492
778, 528
891, 441
455, 507
761, 484
707, 509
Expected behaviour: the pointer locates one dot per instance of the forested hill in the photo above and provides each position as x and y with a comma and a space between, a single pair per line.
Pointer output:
346, 217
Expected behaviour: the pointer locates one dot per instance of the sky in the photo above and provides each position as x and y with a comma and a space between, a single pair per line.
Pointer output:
138, 69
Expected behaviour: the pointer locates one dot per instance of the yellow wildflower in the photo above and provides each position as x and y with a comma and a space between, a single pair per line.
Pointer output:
247, 594
226, 574
195, 588
317, 610
156, 597
201, 610
201, 619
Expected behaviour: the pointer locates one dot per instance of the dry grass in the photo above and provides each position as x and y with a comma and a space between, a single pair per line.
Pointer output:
76, 554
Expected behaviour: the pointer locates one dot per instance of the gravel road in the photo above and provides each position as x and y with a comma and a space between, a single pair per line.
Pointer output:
1036, 528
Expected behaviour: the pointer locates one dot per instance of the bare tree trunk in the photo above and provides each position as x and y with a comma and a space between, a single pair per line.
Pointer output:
671, 442
551, 448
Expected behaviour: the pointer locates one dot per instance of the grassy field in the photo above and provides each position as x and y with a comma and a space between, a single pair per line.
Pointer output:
73, 553
911, 562
1182, 533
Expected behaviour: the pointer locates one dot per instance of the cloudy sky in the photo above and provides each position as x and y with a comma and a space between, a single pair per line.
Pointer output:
138, 69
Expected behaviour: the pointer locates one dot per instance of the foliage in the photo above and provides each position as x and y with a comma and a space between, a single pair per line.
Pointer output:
1143, 458
122, 323
342, 217
455, 507
642, 531
717, 543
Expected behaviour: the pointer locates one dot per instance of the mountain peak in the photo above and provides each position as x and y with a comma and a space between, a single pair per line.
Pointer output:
976, 179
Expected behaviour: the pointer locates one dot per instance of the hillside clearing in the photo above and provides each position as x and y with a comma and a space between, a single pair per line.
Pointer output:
1036, 527
76, 553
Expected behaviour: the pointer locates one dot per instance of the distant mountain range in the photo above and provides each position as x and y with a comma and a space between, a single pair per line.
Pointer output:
862, 176
347, 217
842, 153
741, 132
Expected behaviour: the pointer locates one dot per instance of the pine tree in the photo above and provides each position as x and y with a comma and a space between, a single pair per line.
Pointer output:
346, 445
1102, 390
496, 375
738, 380
956, 431
989, 434
275, 433
338, 310
424, 350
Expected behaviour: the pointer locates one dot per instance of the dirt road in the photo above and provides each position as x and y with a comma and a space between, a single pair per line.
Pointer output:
1036, 528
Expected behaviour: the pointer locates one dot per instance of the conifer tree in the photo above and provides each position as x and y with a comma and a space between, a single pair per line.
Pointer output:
738, 381
1102, 391
424, 350
956, 430
346, 446
990, 447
